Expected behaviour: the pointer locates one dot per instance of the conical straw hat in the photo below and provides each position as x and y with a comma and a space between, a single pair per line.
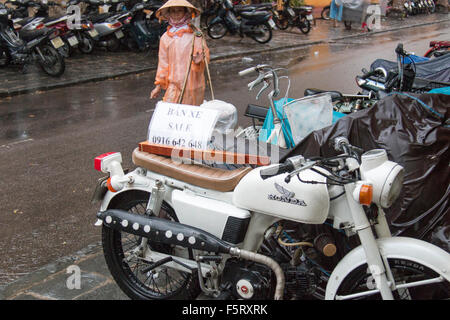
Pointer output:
162, 13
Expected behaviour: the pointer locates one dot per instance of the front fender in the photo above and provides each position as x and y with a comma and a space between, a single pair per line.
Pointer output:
415, 250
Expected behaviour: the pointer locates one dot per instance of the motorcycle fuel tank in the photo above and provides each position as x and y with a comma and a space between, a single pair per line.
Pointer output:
297, 201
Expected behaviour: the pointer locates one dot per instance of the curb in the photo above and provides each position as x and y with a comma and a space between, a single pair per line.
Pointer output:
213, 58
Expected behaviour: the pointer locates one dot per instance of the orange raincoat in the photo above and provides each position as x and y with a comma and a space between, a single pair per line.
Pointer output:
174, 55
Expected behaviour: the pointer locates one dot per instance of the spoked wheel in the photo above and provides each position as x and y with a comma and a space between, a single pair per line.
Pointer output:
217, 30
53, 63
86, 44
263, 33
4, 57
127, 268
304, 25
404, 272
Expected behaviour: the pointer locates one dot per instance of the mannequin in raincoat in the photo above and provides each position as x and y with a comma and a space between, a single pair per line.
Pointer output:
175, 49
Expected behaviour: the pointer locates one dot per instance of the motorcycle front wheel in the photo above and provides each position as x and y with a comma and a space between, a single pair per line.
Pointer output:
217, 30
404, 271
264, 33
304, 25
162, 283
53, 63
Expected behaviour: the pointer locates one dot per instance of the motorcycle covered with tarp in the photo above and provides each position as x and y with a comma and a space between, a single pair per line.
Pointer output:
415, 132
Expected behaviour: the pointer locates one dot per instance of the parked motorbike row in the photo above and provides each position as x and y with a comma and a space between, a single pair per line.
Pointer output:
255, 21
414, 7
48, 40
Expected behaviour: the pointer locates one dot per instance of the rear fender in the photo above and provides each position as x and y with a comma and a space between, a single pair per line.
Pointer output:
411, 249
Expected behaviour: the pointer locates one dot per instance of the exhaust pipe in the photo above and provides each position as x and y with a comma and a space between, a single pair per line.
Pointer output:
163, 231
175, 233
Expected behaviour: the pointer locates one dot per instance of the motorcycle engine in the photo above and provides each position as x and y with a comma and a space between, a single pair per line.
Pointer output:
248, 280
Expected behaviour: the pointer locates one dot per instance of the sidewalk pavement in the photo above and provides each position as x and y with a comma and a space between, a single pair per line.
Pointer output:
101, 64
51, 281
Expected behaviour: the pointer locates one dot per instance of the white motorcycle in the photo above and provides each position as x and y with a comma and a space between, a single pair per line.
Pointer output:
306, 228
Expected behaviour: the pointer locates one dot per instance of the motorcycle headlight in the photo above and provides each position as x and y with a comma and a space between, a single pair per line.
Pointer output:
3, 12
386, 176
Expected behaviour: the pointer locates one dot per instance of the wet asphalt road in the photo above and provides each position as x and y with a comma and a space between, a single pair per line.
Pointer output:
48, 140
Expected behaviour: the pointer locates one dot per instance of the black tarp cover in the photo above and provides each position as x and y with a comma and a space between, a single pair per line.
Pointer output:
417, 139
437, 69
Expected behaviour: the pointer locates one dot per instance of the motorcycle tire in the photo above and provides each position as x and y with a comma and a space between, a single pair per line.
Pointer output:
5, 57
127, 275
282, 23
359, 280
304, 25
86, 44
325, 14
267, 33
217, 30
54, 64
113, 44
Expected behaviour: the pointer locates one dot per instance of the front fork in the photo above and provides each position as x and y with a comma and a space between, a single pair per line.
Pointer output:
369, 244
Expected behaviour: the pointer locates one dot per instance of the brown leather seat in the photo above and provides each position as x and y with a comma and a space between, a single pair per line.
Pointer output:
198, 175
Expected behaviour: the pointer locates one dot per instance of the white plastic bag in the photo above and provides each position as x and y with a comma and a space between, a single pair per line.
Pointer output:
308, 114
227, 118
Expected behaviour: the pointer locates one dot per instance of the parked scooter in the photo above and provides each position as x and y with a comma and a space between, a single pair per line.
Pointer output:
254, 24
409, 74
270, 237
107, 26
300, 17
437, 49
143, 33
39, 46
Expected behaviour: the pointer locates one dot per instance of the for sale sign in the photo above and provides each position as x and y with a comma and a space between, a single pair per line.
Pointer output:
181, 125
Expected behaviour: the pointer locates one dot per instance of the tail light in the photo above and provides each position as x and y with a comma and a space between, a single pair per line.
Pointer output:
103, 162
40, 26
115, 25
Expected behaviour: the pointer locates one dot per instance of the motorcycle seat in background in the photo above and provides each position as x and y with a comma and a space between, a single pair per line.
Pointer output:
195, 174
28, 35
256, 6
253, 14
335, 95
437, 69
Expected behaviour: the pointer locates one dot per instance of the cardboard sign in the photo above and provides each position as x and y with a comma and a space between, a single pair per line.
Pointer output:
181, 125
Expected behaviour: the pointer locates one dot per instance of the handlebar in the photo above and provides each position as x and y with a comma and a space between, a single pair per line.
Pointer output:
294, 165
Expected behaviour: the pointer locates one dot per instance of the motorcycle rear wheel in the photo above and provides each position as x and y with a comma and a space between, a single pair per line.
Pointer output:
53, 64
266, 33
160, 284
86, 44
304, 25
404, 271
217, 30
